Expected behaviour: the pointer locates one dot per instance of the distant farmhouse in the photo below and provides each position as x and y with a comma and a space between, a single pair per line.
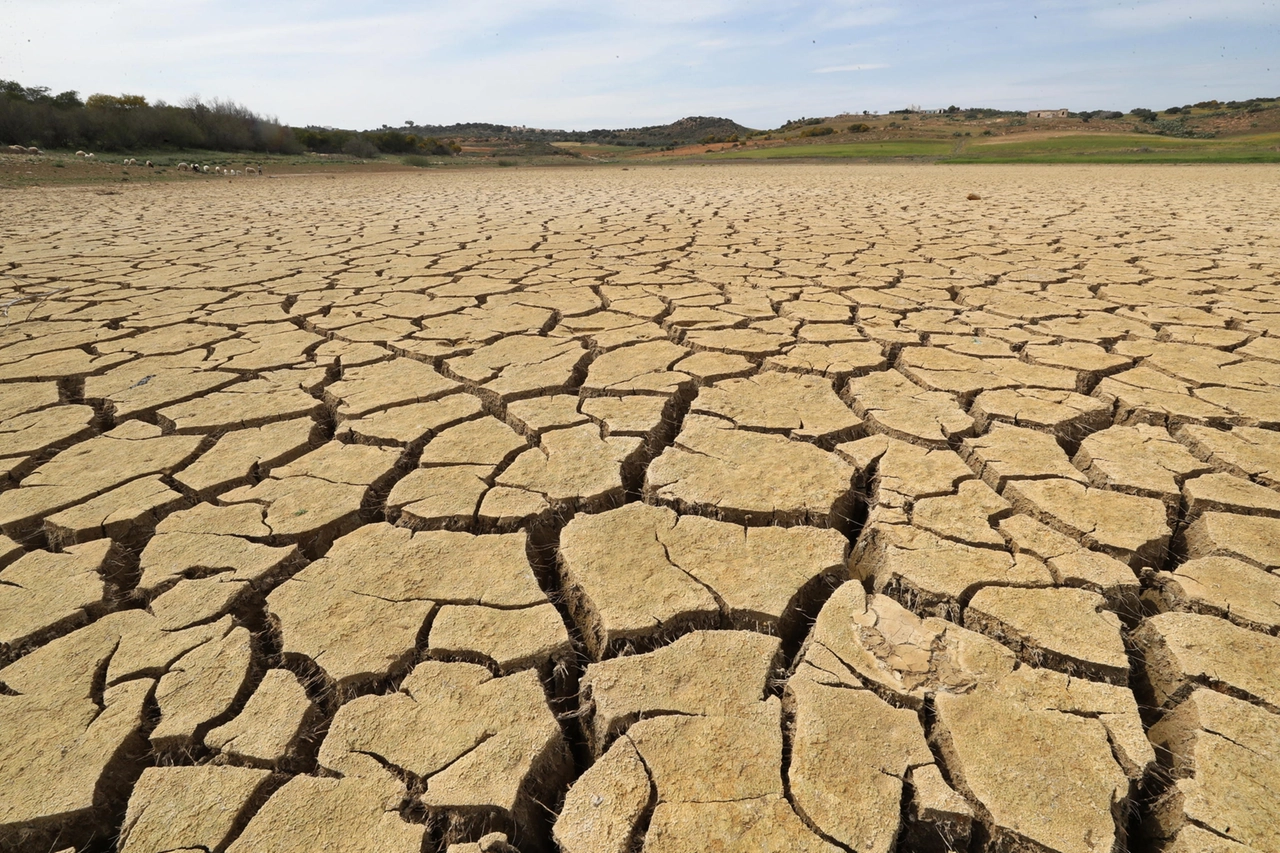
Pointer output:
1047, 114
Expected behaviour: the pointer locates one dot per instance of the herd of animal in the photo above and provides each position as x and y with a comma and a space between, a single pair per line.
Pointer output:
218, 170
133, 161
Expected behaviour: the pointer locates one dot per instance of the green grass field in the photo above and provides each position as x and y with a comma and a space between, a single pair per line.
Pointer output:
1075, 148
1125, 148
61, 167
592, 149
932, 148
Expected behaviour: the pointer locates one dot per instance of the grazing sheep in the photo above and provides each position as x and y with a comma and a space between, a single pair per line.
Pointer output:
89, 156
17, 149
34, 150
150, 165
249, 170
205, 169
78, 153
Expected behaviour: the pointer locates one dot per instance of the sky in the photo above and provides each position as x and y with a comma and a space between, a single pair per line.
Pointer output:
578, 65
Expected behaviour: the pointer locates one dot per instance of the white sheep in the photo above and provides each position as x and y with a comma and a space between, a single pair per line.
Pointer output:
78, 153
34, 150
89, 156
249, 170
205, 169
150, 165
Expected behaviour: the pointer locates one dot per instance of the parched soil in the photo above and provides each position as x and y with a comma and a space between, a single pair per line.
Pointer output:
597, 511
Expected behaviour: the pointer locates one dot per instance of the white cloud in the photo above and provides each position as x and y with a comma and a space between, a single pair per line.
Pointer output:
562, 63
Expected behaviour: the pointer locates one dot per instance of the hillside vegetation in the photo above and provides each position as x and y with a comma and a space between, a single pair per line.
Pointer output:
34, 116
1207, 131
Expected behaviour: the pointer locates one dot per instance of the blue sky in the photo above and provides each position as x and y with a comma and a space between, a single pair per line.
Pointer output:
581, 64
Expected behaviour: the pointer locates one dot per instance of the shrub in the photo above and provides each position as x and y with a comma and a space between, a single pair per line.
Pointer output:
359, 147
817, 131
1173, 111
416, 160
393, 142
859, 128
800, 122
1143, 113
1178, 127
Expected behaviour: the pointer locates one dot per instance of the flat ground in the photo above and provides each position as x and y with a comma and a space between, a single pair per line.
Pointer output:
874, 508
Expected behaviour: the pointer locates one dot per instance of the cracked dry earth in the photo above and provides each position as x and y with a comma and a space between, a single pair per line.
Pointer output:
697, 509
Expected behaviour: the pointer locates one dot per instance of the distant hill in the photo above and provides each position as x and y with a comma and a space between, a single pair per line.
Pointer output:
689, 129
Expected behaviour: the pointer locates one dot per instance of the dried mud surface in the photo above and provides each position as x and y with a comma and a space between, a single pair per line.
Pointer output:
742, 509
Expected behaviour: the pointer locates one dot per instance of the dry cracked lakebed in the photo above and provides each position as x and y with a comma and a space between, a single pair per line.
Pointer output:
856, 508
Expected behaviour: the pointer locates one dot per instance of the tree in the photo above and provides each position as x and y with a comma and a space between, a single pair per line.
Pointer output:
114, 102
1143, 113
